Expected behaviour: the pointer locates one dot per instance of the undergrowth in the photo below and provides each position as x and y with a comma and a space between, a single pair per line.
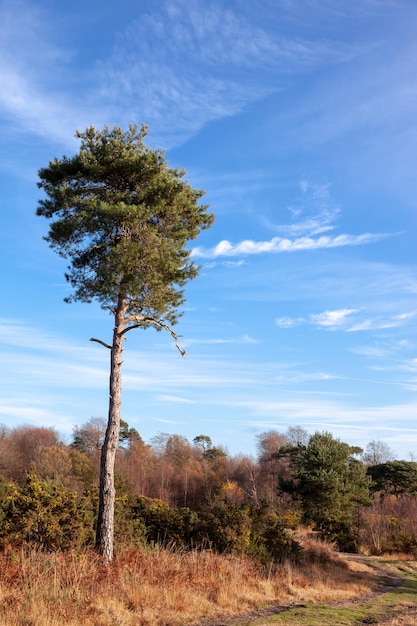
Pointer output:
159, 586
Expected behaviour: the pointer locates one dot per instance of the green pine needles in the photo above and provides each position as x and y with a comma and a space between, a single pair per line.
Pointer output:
123, 219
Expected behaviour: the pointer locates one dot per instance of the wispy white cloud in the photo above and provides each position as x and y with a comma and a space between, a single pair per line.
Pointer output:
314, 212
25, 412
279, 244
29, 61
314, 225
161, 420
302, 377
340, 319
331, 319
37, 411
46, 360
406, 316
175, 399
62, 371
336, 416
391, 356
22, 335
245, 340
383, 322
356, 425
227, 264
289, 322
37, 387
372, 352
207, 66
310, 409
176, 67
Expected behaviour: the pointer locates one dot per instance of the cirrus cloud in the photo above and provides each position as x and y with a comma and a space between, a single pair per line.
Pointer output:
281, 244
340, 319
336, 319
331, 319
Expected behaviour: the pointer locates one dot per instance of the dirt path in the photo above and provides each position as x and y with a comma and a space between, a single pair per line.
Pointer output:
392, 603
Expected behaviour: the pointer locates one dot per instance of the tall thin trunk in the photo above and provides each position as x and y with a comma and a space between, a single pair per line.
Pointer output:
105, 522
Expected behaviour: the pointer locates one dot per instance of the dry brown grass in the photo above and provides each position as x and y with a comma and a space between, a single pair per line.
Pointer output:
323, 575
160, 587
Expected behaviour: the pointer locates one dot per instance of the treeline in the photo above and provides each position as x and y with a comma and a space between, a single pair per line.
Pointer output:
194, 494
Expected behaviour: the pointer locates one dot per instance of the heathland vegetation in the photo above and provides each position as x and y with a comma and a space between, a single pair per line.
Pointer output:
211, 532
173, 492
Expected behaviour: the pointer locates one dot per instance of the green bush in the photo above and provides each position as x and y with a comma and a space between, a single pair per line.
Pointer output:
46, 514
162, 524
271, 540
129, 530
225, 528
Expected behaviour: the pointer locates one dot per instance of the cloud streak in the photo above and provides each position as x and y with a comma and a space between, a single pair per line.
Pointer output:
245, 340
332, 319
315, 212
341, 319
279, 244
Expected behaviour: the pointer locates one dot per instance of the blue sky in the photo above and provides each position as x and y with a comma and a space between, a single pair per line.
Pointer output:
298, 118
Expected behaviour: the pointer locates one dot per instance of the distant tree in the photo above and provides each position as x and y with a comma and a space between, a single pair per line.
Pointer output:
215, 454
208, 451
178, 471
203, 441
136, 463
329, 481
377, 452
397, 478
297, 436
127, 435
159, 442
123, 218
271, 465
390, 525
54, 464
245, 471
213, 463
178, 453
269, 443
83, 470
178, 449
89, 437
26, 446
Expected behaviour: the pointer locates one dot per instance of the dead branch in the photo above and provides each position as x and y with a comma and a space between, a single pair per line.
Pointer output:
140, 320
106, 345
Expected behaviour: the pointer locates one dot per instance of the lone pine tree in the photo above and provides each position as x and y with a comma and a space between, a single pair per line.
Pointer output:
123, 219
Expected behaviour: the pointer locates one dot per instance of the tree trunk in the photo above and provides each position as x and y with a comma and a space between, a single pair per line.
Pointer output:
105, 522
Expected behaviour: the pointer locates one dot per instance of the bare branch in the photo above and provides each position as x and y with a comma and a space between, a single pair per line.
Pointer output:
106, 345
142, 319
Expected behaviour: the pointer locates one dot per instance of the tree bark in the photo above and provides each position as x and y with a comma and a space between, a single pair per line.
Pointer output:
107, 493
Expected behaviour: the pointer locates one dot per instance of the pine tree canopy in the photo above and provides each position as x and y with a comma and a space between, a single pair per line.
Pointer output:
123, 218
